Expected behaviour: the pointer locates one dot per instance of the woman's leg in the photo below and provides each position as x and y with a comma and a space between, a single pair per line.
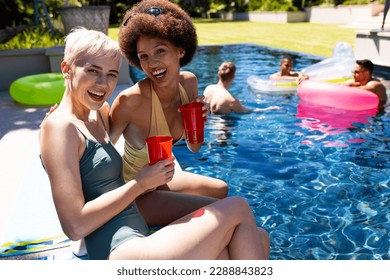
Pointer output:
225, 228
266, 242
186, 182
160, 208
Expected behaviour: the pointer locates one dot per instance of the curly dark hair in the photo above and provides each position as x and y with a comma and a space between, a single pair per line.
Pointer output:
161, 19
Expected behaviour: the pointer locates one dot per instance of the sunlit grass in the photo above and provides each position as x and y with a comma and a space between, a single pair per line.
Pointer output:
317, 39
311, 38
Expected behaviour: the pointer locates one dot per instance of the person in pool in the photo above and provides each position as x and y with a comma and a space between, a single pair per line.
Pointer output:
90, 195
158, 37
286, 71
362, 78
220, 99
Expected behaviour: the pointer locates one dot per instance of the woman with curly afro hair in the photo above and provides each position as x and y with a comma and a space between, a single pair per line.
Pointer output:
199, 222
158, 37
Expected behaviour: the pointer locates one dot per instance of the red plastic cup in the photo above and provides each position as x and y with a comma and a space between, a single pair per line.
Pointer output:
193, 122
159, 148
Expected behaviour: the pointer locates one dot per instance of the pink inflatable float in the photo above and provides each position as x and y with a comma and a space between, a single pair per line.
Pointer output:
337, 96
330, 120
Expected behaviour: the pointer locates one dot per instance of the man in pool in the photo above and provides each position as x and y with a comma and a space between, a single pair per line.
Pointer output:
220, 99
286, 72
362, 78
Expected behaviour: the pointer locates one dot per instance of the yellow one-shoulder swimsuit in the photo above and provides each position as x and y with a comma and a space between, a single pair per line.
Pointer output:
134, 159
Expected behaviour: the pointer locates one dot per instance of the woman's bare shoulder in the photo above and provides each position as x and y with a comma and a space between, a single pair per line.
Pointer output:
58, 126
187, 76
131, 97
57, 120
190, 83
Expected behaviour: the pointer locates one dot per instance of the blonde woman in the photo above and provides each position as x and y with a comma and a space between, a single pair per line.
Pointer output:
90, 195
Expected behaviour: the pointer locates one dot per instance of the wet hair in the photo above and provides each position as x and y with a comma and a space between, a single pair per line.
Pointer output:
160, 19
286, 57
366, 64
227, 71
81, 41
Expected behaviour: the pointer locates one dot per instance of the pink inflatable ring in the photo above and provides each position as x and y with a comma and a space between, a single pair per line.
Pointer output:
337, 96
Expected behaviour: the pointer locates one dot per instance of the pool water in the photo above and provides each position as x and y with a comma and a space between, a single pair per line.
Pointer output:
321, 190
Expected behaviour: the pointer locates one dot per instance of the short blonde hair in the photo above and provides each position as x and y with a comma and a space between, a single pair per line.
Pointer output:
81, 41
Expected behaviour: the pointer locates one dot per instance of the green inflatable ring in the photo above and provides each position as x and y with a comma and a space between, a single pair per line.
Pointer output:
38, 89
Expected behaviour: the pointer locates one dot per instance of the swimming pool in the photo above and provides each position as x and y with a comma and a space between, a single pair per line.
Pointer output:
321, 192
320, 188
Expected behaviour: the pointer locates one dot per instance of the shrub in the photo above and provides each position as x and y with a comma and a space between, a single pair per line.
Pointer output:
33, 37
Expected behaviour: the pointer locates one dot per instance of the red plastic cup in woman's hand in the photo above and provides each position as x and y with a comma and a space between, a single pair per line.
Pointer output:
159, 148
193, 122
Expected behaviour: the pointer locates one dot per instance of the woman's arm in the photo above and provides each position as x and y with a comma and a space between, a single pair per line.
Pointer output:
123, 107
61, 149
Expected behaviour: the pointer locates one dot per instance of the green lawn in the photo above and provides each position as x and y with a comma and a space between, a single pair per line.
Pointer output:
311, 38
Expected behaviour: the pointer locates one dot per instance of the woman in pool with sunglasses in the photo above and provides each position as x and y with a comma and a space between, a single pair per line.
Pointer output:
158, 37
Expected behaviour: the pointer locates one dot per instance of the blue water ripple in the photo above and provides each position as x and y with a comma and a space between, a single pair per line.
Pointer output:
320, 193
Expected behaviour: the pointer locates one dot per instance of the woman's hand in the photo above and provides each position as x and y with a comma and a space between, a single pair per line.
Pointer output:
152, 176
52, 109
206, 106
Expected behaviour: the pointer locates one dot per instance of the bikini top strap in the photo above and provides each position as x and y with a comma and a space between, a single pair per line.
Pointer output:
104, 125
101, 118
85, 137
